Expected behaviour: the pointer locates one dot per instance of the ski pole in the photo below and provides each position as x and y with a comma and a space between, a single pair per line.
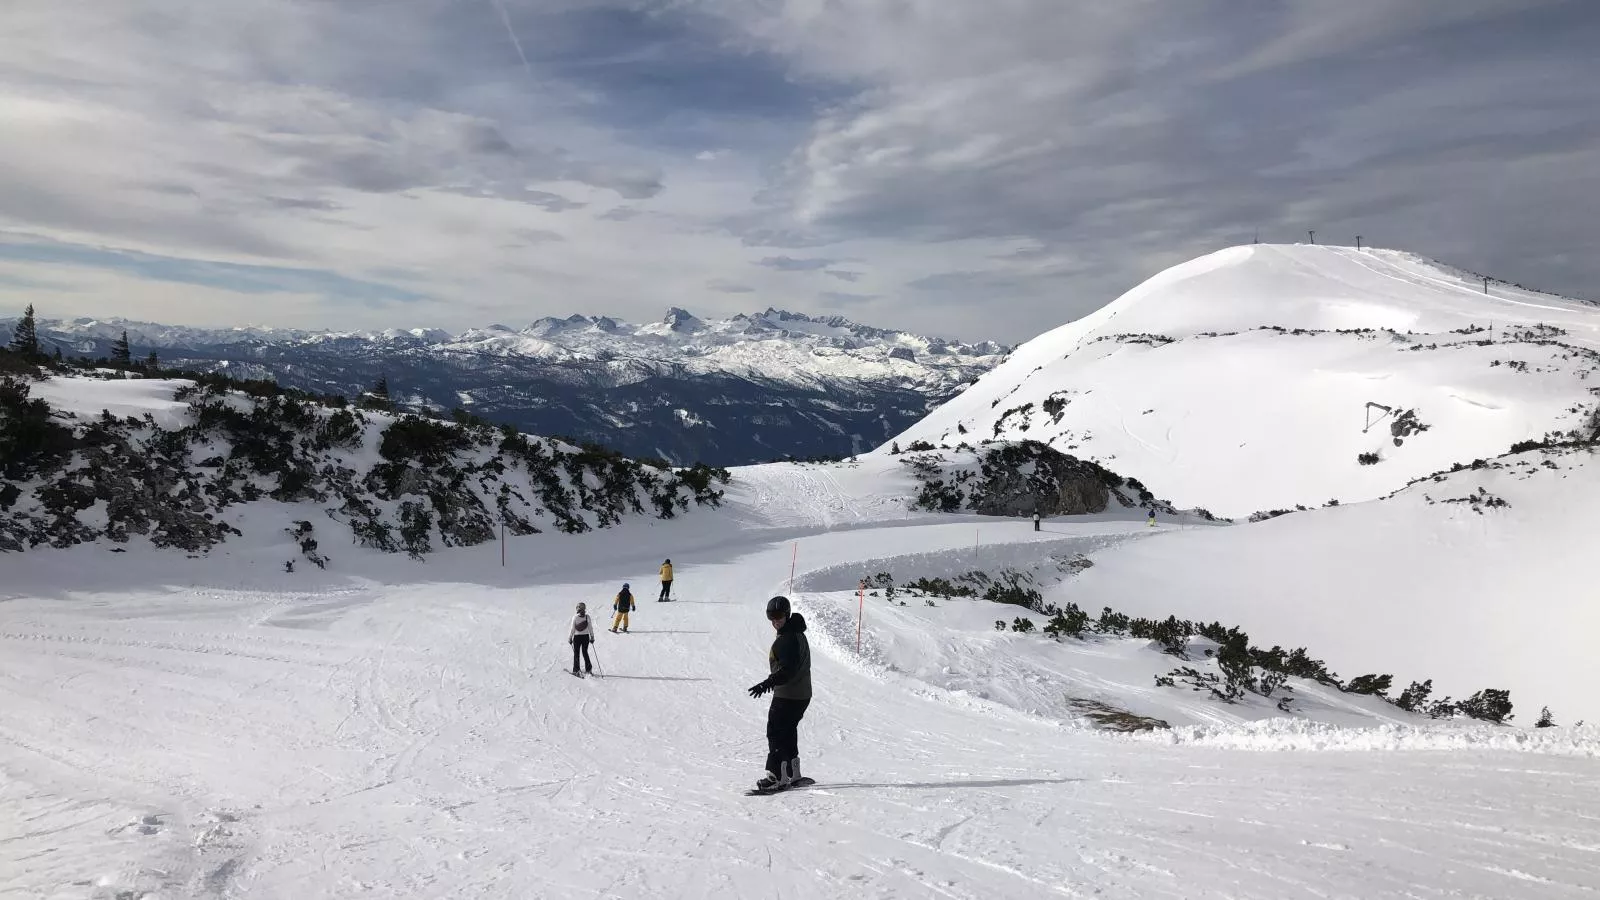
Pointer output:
594, 647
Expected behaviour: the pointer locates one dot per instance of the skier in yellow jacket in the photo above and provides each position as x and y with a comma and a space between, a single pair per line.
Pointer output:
624, 604
666, 582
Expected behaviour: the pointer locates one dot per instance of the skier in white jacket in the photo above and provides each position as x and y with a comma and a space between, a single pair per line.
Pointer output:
580, 637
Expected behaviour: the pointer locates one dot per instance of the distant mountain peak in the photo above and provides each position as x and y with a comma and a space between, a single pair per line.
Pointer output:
682, 320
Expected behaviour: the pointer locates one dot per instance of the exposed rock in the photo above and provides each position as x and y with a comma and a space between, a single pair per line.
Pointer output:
1021, 479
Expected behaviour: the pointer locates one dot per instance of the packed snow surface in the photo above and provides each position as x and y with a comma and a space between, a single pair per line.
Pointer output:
1255, 378
217, 727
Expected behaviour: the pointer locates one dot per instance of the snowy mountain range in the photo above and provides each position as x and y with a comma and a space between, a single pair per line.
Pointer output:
750, 388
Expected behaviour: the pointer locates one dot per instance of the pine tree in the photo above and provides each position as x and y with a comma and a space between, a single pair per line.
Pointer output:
377, 397
152, 362
1546, 720
25, 338
121, 352
58, 357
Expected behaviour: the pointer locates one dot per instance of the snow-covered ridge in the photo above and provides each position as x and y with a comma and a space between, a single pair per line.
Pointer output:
776, 344
182, 464
1266, 376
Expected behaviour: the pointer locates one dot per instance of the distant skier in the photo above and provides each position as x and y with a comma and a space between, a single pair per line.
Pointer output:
790, 684
1036, 520
1152, 520
666, 582
580, 637
624, 604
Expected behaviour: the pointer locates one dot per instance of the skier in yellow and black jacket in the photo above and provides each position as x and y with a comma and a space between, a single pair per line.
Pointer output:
624, 604
666, 582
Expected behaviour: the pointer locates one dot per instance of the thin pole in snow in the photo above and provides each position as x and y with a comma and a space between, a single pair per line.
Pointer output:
792, 558
1358, 242
502, 543
861, 610
1486, 284
1312, 235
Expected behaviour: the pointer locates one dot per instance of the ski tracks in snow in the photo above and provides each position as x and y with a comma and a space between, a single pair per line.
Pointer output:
421, 741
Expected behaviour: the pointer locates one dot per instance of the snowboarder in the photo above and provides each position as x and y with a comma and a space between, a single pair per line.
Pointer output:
623, 605
580, 637
1036, 520
790, 684
666, 581
1152, 520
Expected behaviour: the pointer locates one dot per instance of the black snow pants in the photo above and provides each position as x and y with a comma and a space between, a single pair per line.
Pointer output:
666, 591
783, 731
580, 643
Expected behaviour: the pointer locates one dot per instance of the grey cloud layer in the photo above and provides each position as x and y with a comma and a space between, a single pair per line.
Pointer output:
989, 170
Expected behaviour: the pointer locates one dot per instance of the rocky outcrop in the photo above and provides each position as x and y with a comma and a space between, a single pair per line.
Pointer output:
1019, 479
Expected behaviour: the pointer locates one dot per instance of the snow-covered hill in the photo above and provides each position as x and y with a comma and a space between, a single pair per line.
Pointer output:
188, 466
1263, 377
740, 390
1474, 578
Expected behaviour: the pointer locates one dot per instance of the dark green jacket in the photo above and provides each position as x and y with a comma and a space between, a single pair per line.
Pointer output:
790, 660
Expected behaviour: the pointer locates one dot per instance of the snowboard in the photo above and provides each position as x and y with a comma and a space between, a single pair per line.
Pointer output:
801, 782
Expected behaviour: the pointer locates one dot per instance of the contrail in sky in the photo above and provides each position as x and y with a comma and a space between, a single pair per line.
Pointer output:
513, 34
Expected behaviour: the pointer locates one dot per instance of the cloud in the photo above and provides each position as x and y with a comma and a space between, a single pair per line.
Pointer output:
988, 170
790, 264
725, 287
234, 277
837, 299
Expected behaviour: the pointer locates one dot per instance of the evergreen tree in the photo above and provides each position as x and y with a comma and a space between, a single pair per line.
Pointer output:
152, 362
121, 352
58, 358
1546, 720
25, 338
377, 397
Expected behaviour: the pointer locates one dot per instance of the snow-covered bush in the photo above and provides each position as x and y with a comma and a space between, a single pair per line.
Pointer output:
435, 483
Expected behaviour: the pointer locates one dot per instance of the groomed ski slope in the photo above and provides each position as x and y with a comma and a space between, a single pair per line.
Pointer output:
1240, 381
217, 728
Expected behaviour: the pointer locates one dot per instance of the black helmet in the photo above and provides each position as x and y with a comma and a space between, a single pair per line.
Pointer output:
778, 608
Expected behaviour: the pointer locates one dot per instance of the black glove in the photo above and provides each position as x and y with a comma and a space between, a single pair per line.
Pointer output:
759, 689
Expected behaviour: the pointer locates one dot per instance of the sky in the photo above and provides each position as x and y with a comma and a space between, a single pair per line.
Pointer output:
962, 169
